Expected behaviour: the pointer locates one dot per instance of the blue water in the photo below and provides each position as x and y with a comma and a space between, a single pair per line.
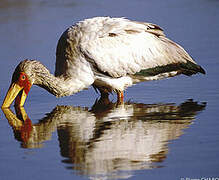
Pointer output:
166, 129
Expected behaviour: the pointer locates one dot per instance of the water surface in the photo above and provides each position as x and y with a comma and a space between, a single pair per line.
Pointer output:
165, 128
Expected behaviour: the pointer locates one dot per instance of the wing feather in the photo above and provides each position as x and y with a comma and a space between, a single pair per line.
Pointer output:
122, 47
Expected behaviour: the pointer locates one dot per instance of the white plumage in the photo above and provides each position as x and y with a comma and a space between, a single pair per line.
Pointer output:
109, 53
113, 50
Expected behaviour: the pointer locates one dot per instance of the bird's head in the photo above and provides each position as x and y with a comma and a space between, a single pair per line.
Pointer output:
22, 80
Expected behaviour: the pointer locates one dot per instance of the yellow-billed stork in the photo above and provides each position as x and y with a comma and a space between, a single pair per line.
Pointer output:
110, 54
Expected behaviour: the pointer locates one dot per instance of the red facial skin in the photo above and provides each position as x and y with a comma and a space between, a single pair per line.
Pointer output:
25, 83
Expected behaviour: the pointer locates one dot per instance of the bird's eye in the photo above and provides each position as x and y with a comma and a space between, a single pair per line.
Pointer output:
23, 77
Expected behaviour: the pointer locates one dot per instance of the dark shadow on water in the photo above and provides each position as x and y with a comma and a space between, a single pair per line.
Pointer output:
109, 140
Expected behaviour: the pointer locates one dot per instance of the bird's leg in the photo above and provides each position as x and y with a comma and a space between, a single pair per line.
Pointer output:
104, 98
120, 97
104, 94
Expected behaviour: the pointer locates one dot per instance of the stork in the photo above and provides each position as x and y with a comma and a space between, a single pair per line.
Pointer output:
110, 54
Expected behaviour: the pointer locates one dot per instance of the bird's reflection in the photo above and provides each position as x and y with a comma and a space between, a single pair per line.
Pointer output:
109, 140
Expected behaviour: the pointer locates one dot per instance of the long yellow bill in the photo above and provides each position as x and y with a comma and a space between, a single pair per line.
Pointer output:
12, 94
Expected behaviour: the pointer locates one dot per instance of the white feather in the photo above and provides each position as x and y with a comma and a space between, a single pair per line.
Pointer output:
114, 48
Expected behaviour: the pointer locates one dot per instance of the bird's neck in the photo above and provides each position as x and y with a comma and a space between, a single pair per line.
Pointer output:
58, 86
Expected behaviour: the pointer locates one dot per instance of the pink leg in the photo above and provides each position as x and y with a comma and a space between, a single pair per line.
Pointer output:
120, 97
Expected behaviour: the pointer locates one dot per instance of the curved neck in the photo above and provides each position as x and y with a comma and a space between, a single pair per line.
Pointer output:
58, 86
54, 85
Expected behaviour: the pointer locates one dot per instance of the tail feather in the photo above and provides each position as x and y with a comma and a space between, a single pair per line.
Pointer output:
189, 68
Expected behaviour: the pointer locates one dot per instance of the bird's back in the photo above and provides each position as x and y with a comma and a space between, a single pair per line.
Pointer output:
117, 47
